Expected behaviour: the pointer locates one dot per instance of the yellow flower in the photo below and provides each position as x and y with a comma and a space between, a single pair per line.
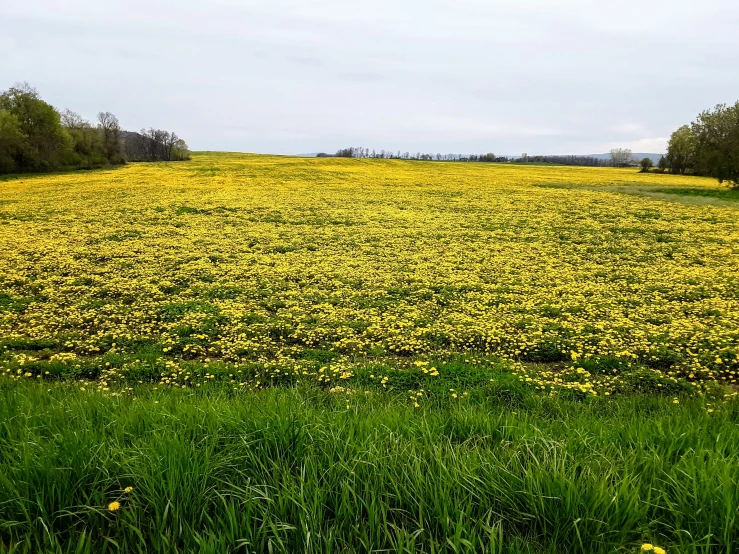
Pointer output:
646, 547
128, 489
171, 213
113, 506
658, 550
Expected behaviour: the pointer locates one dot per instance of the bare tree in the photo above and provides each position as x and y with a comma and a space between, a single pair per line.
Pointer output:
170, 141
73, 120
111, 134
621, 157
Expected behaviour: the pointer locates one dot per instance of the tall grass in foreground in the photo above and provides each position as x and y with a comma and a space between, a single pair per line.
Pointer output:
294, 470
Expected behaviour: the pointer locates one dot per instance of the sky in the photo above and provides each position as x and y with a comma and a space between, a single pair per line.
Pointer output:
449, 76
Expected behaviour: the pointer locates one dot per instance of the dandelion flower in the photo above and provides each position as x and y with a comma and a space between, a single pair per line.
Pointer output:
646, 547
113, 506
128, 489
658, 550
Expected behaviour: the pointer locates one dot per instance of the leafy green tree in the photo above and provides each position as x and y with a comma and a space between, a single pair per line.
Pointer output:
11, 141
717, 143
646, 164
662, 164
46, 145
181, 150
87, 144
681, 150
35, 137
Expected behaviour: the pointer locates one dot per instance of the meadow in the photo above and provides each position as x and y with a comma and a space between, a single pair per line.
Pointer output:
263, 354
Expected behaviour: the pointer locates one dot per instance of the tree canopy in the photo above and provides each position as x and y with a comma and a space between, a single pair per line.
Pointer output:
35, 137
708, 146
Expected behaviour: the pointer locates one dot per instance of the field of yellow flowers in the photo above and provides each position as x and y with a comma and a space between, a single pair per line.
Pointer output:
265, 354
265, 269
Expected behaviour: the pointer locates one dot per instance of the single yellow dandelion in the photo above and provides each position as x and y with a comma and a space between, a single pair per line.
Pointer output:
128, 489
646, 547
658, 550
113, 506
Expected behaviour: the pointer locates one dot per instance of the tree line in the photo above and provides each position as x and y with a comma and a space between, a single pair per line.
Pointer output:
618, 157
154, 145
36, 137
361, 152
708, 146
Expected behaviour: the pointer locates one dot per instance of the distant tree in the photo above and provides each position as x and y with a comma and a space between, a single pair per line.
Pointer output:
681, 150
170, 141
73, 120
87, 143
716, 143
621, 157
662, 164
181, 151
157, 145
111, 135
646, 164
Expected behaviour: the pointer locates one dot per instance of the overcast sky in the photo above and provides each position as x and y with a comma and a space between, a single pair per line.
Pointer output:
461, 76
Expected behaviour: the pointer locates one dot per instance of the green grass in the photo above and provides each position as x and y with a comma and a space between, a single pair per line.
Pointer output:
720, 193
303, 470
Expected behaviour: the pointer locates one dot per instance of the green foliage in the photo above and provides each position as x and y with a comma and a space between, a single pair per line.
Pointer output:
709, 146
87, 142
38, 141
646, 164
681, 150
717, 143
35, 137
11, 140
720, 193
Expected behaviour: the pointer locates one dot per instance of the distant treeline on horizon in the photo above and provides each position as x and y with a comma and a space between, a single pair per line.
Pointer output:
617, 158
709, 146
35, 137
